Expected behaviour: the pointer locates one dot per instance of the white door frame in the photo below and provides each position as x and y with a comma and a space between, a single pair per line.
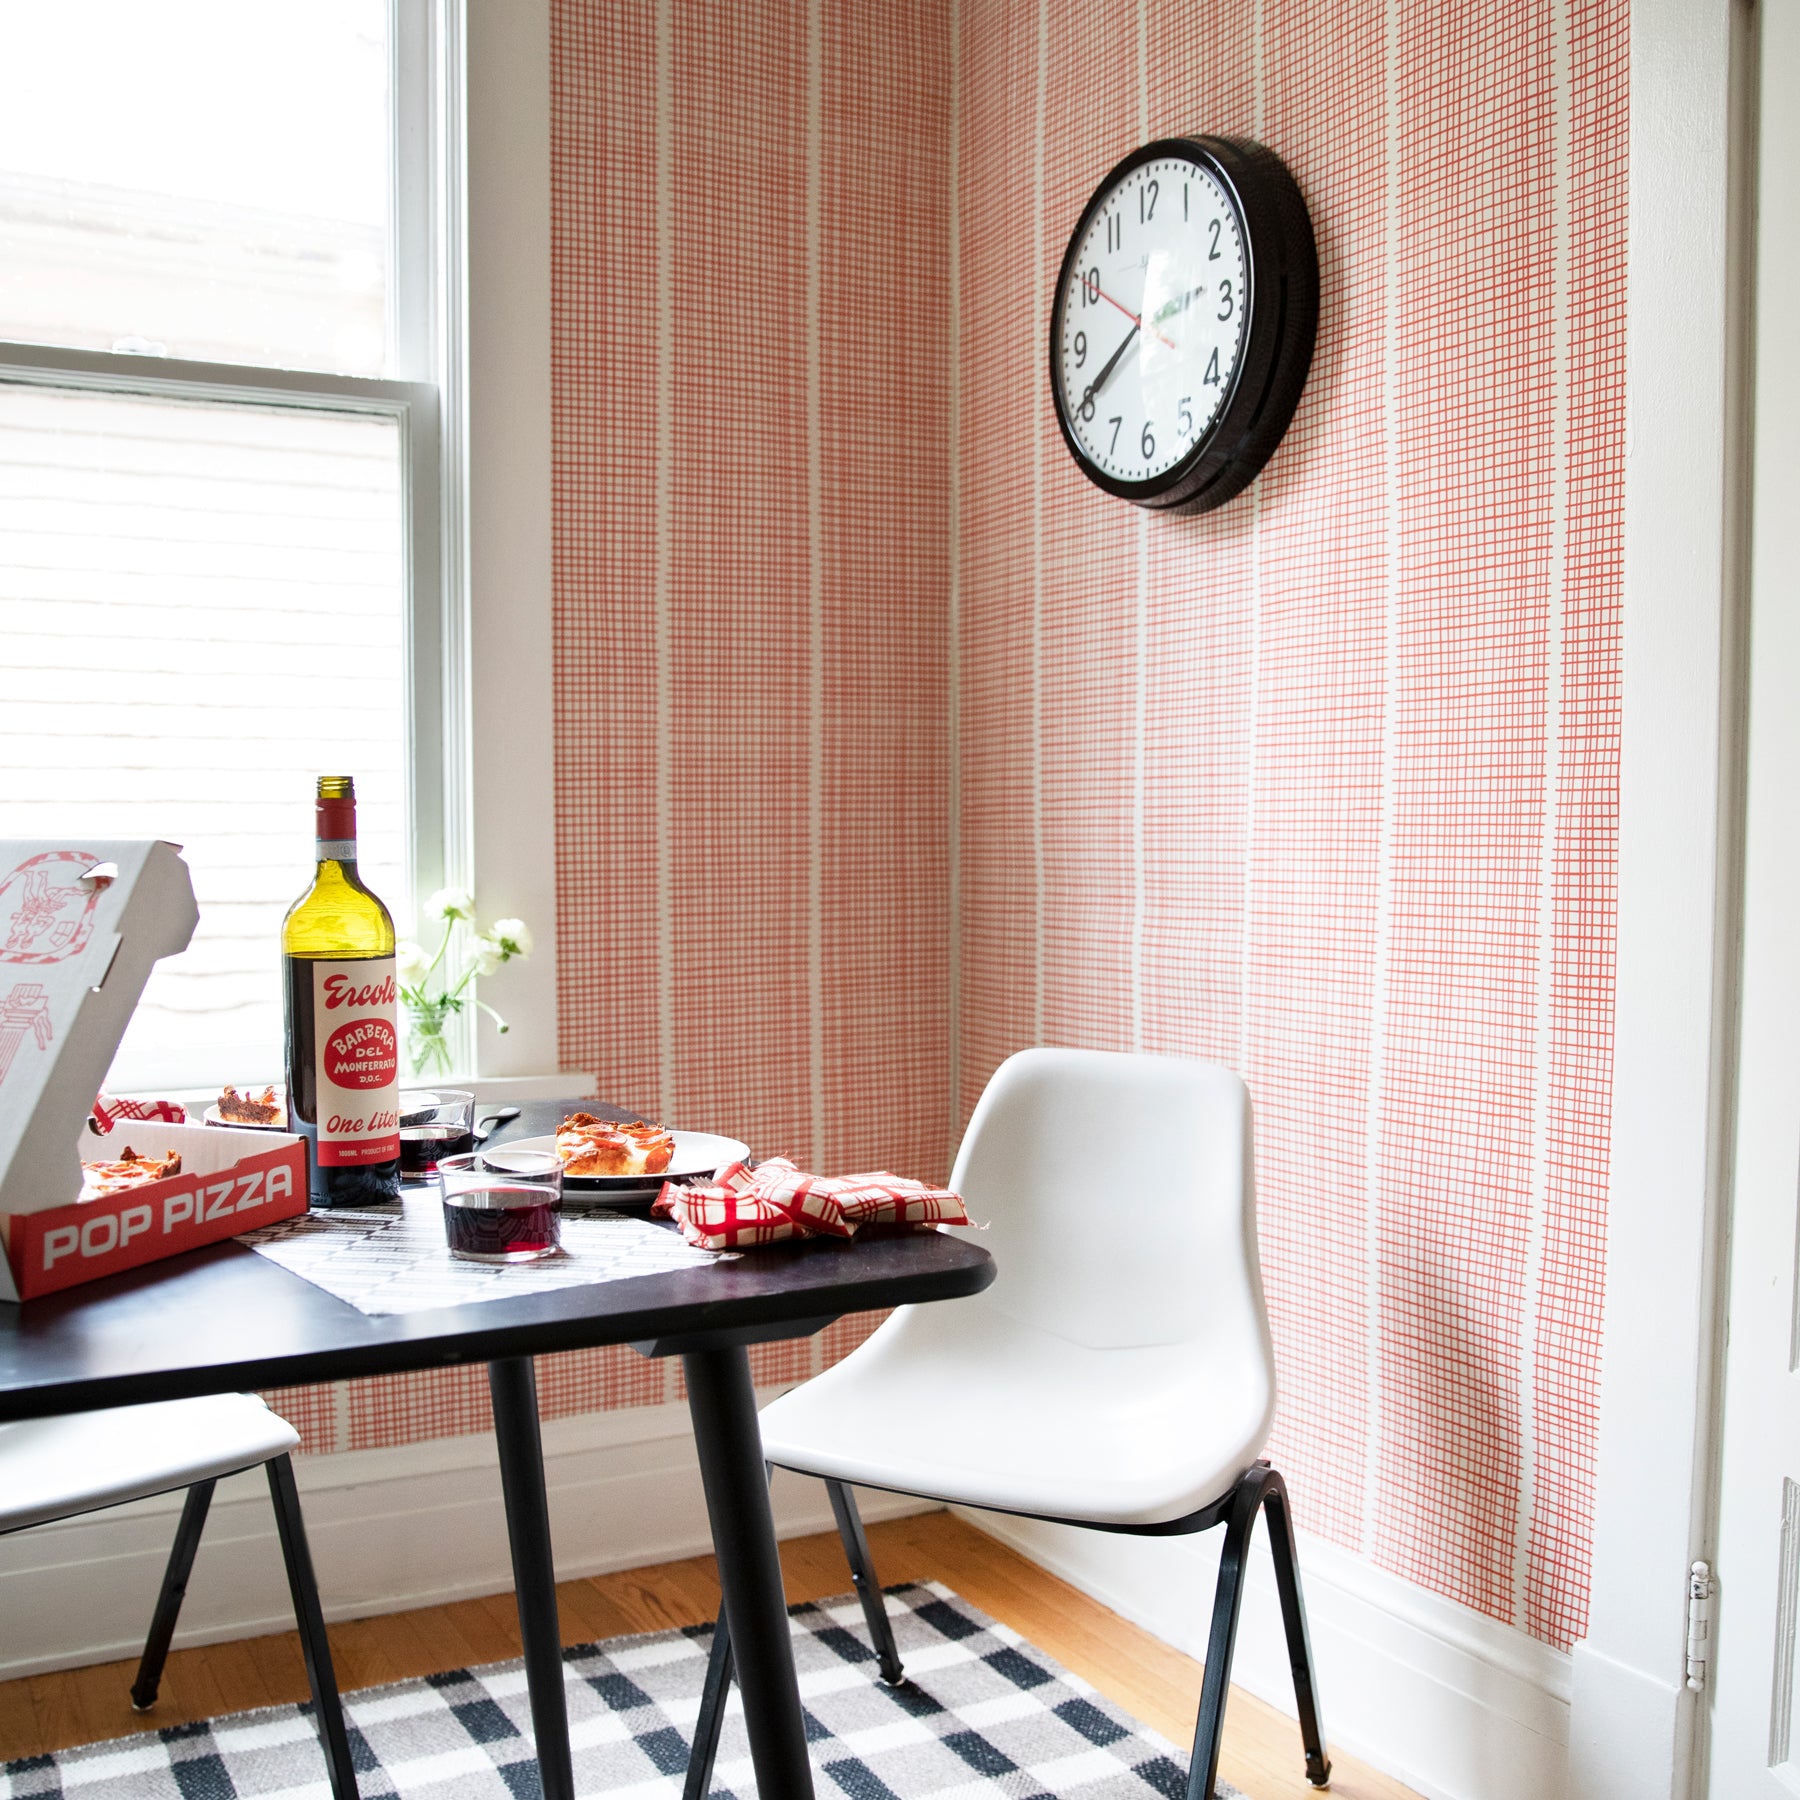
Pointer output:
1634, 1728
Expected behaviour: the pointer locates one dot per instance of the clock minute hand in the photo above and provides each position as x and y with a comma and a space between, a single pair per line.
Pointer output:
1112, 362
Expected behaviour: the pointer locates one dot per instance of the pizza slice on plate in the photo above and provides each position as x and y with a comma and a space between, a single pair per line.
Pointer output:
591, 1146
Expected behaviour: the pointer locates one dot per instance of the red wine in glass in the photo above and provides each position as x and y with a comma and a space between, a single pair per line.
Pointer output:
505, 1222
422, 1145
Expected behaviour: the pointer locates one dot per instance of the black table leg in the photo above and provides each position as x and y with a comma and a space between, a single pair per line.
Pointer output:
722, 1403
513, 1387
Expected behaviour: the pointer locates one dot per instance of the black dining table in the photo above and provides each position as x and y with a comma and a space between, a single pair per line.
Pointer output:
223, 1320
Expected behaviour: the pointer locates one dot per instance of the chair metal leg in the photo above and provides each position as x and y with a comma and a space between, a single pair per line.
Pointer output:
315, 1647
862, 1574
1209, 1732
1261, 1487
712, 1714
174, 1591
1293, 1619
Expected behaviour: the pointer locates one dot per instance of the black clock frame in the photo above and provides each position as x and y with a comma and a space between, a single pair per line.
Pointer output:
1282, 312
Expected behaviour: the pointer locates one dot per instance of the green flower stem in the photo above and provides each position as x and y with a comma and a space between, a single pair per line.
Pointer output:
443, 945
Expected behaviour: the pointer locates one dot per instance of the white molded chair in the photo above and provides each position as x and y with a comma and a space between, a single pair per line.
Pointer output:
82, 1462
1118, 1373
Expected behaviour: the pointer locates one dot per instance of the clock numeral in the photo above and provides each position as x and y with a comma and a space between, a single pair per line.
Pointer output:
1090, 288
1211, 377
1147, 443
1147, 201
1225, 300
1184, 417
1184, 206
1115, 231
1080, 349
1213, 254
1115, 422
1087, 407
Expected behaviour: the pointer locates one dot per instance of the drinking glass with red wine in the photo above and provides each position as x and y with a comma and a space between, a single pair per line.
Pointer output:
434, 1124
502, 1206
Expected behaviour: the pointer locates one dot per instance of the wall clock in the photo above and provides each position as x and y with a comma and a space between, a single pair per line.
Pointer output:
1184, 321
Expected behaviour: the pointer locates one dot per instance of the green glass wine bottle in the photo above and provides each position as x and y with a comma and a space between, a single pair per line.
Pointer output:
343, 1045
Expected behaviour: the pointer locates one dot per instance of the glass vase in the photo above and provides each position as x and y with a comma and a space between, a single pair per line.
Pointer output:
427, 1045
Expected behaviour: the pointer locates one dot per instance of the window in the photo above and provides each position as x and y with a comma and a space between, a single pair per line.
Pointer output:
220, 467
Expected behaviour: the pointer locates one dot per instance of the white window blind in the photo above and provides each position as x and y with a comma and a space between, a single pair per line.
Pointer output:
221, 550
202, 608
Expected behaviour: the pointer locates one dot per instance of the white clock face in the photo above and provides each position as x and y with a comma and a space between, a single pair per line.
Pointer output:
1152, 319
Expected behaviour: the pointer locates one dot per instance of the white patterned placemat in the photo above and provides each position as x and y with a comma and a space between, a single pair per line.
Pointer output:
398, 1262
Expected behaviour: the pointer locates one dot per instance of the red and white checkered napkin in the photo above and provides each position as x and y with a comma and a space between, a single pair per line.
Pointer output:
775, 1200
108, 1111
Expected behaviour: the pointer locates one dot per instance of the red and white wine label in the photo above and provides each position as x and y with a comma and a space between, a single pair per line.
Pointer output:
356, 1055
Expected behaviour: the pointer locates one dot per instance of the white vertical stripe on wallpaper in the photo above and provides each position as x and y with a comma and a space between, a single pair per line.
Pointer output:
1560, 227
1039, 329
953, 773
1384, 860
663, 561
1143, 69
1138, 735
815, 592
1140, 718
1253, 711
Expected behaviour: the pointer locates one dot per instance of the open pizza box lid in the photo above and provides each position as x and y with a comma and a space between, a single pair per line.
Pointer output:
81, 926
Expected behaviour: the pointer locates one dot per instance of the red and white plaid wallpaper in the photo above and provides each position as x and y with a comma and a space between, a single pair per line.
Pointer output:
1322, 785
752, 507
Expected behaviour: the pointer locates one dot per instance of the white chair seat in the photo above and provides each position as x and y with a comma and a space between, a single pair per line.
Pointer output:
965, 1404
54, 1468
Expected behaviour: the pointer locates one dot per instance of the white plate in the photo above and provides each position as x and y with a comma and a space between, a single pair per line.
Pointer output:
696, 1153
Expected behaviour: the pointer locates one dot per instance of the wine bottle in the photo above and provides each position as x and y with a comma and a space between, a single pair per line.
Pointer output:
343, 1048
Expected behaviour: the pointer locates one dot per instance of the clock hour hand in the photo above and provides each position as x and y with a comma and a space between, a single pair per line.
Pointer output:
1112, 362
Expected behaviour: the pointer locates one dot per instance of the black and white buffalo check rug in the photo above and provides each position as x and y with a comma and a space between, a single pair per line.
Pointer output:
982, 1715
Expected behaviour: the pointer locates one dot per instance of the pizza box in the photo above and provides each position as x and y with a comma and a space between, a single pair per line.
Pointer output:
82, 923
231, 1181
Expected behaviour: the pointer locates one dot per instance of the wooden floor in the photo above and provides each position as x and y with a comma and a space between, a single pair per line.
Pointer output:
1143, 1675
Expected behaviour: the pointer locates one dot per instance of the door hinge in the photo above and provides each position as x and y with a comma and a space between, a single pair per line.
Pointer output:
1699, 1624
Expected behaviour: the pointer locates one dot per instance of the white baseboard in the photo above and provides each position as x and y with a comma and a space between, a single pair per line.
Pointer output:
389, 1529
1451, 1703
1631, 1736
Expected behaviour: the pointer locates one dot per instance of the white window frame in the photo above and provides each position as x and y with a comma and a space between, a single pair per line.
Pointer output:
475, 680
502, 400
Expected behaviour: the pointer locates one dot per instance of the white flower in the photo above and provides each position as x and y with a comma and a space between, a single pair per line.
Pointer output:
411, 961
512, 935
450, 903
488, 956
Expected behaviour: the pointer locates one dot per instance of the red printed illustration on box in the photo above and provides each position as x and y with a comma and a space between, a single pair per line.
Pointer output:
47, 909
25, 1012
358, 1053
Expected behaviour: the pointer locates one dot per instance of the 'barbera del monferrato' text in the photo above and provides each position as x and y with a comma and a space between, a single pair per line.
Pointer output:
343, 1045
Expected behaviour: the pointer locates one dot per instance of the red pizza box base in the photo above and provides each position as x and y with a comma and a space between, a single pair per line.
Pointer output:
63, 1246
